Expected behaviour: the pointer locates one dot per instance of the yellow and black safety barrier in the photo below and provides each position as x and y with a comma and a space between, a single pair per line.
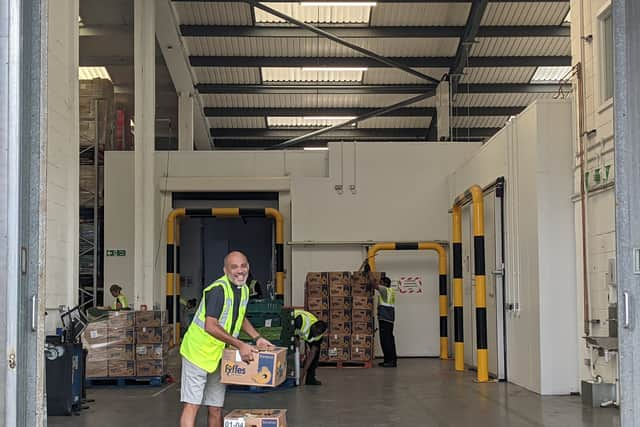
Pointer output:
173, 250
477, 208
442, 269
458, 310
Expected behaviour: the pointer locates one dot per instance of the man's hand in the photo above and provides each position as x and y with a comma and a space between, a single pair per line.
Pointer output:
264, 344
246, 352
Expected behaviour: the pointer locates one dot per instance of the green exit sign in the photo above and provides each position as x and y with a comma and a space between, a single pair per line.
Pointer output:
116, 252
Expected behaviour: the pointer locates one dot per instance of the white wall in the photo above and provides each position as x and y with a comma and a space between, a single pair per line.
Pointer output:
192, 171
62, 160
600, 211
401, 195
118, 221
534, 153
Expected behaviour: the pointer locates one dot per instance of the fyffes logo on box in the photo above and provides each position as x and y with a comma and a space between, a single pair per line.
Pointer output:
231, 369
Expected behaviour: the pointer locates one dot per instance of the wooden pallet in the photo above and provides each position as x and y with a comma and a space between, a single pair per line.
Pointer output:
125, 381
347, 364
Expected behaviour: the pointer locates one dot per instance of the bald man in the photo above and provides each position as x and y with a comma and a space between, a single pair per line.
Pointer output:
216, 324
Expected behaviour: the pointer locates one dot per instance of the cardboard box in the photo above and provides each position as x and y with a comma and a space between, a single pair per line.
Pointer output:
360, 328
340, 328
122, 319
256, 418
358, 340
361, 354
321, 314
338, 316
317, 304
159, 335
150, 318
317, 279
122, 368
361, 289
97, 369
98, 354
336, 340
340, 290
317, 292
268, 369
341, 303
96, 333
121, 352
339, 278
362, 316
151, 367
362, 303
335, 354
151, 351
121, 336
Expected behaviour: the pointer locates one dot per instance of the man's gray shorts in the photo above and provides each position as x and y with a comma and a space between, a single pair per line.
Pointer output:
200, 387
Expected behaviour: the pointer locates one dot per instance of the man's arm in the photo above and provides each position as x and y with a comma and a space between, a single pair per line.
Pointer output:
212, 326
261, 342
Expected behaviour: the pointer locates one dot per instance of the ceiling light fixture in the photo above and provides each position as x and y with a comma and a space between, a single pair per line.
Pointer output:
334, 68
316, 148
339, 3
345, 118
90, 73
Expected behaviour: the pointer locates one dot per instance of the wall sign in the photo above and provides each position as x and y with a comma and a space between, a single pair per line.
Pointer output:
410, 285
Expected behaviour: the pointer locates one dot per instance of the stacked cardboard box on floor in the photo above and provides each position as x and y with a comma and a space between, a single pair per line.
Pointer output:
345, 301
127, 344
152, 343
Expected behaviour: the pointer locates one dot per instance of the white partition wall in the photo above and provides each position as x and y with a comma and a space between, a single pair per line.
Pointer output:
534, 154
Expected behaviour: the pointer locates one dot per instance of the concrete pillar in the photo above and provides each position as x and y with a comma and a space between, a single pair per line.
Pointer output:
63, 135
144, 42
185, 122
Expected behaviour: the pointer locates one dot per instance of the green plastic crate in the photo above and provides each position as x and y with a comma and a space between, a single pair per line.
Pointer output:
264, 306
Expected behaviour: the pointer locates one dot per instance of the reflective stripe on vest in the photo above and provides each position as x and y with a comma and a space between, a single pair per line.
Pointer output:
198, 346
123, 302
390, 300
308, 320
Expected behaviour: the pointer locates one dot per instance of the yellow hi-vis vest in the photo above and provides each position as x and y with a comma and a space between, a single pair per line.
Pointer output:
308, 320
198, 346
123, 302
390, 301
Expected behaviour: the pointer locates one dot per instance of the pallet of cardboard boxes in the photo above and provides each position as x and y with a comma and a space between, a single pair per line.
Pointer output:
128, 344
345, 301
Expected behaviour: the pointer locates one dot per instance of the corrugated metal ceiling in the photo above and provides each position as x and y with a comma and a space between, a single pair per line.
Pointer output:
498, 75
478, 121
521, 46
525, 13
416, 14
502, 13
226, 75
214, 13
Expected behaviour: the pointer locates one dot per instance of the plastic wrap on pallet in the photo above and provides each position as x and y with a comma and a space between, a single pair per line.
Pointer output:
150, 318
122, 368
97, 368
151, 367
151, 351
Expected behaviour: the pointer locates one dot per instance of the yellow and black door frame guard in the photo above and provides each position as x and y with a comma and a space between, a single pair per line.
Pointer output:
173, 251
442, 270
474, 193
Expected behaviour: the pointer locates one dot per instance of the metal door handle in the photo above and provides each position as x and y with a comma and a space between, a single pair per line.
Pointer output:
34, 312
626, 309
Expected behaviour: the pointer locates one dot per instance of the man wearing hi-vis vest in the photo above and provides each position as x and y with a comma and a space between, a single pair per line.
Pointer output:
386, 318
310, 330
216, 324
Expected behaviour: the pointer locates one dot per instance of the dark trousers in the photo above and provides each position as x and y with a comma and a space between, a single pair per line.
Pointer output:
388, 341
311, 372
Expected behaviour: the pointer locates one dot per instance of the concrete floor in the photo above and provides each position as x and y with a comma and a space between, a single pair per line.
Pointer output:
420, 392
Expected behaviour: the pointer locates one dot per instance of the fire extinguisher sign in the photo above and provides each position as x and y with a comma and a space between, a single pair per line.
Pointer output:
410, 285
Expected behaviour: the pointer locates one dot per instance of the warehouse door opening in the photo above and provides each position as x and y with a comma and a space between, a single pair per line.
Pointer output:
493, 223
204, 241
